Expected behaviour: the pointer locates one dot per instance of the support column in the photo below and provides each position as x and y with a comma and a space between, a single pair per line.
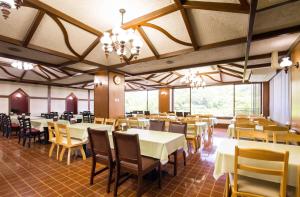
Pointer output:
266, 99
109, 95
164, 100
295, 89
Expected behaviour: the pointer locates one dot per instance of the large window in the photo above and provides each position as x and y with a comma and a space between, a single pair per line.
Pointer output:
153, 97
142, 101
248, 99
135, 100
216, 100
182, 100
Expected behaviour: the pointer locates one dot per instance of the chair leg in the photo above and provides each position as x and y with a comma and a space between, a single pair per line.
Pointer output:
184, 158
57, 152
117, 175
69, 156
82, 153
140, 186
159, 175
111, 170
92, 172
24, 140
51, 149
62, 153
175, 163
29, 140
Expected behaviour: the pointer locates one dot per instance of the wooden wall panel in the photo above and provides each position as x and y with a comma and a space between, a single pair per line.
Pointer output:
116, 96
296, 90
266, 99
164, 100
101, 100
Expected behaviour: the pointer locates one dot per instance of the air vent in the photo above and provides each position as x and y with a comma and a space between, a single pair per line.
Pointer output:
14, 49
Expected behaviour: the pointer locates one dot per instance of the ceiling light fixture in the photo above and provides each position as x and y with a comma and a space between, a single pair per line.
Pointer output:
286, 63
193, 79
22, 65
7, 5
121, 41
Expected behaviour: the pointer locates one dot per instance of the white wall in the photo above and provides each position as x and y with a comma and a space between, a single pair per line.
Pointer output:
39, 104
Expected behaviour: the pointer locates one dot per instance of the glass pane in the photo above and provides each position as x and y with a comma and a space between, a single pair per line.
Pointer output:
248, 99
153, 101
182, 100
216, 100
135, 100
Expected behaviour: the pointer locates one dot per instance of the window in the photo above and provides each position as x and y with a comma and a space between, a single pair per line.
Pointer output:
182, 100
216, 100
248, 99
153, 99
135, 100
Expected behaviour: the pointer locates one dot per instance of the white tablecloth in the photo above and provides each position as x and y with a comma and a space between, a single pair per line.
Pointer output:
143, 122
78, 116
224, 162
14, 118
79, 130
42, 123
201, 127
157, 144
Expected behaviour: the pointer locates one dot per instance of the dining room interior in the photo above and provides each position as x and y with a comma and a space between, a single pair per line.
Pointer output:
152, 98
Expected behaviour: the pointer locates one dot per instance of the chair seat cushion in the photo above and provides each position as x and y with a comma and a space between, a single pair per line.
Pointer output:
34, 130
14, 125
147, 165
104, 159
74, 142
256, 186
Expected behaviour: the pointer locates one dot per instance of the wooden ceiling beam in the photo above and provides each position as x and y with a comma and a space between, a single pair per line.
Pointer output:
46, 69
245, 4
177, 78
130, 86
232, 75
210, 77
44, 72
220, 73
39, 74
8, 73
231, 70
36, 22
215, 6
23, 75
147, 40
276, 5
187, 23
168, 75
52, 11
236, 65
90, 48
253, 6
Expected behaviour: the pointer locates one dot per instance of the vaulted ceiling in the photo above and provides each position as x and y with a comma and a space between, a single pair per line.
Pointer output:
228, 41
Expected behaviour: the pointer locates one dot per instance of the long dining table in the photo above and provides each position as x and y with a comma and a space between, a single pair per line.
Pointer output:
224, 162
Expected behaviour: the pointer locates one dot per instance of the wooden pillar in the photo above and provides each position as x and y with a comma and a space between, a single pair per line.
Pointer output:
266, 99
164, 100
49, 99
109, 95
295, 89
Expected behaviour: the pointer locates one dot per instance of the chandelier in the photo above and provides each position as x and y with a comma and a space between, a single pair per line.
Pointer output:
22, 65
193, 79
121, 41
7, 5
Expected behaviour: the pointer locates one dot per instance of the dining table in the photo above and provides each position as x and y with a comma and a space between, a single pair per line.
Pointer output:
224, 162
80, 130
157, 144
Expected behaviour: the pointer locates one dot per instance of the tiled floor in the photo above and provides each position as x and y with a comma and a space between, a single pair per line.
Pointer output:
29, 172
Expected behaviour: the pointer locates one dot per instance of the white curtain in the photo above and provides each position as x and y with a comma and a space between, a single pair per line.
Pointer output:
280, 98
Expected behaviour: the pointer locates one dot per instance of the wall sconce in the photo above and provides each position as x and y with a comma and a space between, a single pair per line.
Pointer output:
286, 63
97, 82
19, 95
163, 93
70, 98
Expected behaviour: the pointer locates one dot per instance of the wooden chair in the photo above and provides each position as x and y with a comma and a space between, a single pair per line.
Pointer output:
133, 123
287, 138
110, 121
121, 121
130, 160
29, 132
102, 154
53, 138
99, 120
10, 127
68, 143
157, 125
246, 186
178, 127
275, 130
252, 134
192, 137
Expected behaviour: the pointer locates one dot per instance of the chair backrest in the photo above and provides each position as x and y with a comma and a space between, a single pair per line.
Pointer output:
157, 125
99, 120
252, 134
271, 130
146, 113
263, 155
178, 127
27, 124
100, 144
53, 131
110, 121
133, 123
179, 114
127, 149
21, 123
287, 138
63, 130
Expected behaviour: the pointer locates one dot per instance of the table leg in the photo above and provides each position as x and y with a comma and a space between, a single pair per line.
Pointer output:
175, 163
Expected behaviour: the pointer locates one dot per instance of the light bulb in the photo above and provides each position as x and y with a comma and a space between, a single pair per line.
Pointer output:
106, 39
137, 43
286, 62
134, 51
120, 52
122, 38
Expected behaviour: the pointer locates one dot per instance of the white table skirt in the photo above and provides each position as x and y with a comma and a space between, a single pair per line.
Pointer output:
157, 144
201, 128
79, 130
224, 162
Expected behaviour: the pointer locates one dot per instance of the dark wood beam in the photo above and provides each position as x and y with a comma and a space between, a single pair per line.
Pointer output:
174, 80
37, 20
130, 86
259, 66
23, 75
232, 75
215, 6
253, 6
90, 48
8, 73
244, 4
276, 5
231, 70
46, 69
236, 65
210, 77
81, 82
220, 73
168, 75
187, 23
147, 40
44, 72
39, 74
52, 11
